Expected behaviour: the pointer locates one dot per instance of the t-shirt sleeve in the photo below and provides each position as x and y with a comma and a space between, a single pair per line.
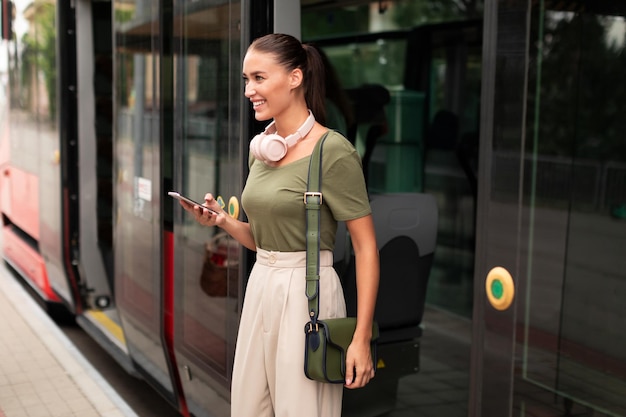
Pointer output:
343, 184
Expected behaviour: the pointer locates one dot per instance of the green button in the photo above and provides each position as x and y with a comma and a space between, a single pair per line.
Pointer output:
497, 289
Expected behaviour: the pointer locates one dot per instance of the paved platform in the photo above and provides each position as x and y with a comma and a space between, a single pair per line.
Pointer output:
42, 374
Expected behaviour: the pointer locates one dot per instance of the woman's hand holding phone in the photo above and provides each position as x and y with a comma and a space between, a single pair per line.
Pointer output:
190, 206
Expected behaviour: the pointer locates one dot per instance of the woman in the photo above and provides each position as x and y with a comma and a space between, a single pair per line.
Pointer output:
284, 82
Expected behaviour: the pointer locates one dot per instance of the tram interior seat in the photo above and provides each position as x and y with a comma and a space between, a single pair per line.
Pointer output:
406, 234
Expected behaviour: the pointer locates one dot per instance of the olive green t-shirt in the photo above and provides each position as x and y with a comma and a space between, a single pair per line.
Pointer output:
273, 197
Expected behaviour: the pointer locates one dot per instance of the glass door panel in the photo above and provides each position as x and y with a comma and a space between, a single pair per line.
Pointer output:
207, 159
575, 157
560, 345
137, 229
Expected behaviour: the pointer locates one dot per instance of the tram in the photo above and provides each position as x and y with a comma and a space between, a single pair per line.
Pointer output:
492, 139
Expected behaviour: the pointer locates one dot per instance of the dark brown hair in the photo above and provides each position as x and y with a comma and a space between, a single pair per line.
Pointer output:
292, 54
334, 89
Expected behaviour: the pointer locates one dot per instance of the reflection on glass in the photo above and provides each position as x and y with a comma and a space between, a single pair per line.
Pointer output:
575, 193
208, 90
137, 157
451, 164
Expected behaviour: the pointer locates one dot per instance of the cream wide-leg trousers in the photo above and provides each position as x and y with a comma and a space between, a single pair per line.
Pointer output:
268, 375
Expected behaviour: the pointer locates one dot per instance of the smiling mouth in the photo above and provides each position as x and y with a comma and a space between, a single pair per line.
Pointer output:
258, 103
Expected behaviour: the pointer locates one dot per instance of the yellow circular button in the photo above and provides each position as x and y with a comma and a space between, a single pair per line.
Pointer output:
500, 288
233, 207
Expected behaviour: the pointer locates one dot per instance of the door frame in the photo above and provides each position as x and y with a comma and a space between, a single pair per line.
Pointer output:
503, 114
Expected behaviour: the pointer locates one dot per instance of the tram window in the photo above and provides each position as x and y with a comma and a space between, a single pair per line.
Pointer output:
373, 72
379, 62
425, 131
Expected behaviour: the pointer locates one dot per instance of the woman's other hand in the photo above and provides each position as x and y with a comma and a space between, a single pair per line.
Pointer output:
359, 364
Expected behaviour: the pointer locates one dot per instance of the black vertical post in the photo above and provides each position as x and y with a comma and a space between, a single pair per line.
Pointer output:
68, 138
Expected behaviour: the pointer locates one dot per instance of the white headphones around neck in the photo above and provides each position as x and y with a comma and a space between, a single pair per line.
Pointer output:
269, 146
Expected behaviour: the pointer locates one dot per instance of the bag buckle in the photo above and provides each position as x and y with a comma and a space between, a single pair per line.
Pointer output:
308, 194
310, 328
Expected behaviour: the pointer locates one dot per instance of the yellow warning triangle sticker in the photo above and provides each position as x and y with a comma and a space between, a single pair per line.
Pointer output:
380, 364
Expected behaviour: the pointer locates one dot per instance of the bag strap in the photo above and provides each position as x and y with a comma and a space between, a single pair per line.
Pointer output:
313, 204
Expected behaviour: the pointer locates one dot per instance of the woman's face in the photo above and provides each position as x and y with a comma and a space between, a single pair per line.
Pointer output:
269, 86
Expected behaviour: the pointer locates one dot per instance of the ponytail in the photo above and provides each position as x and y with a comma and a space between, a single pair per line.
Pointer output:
315, 88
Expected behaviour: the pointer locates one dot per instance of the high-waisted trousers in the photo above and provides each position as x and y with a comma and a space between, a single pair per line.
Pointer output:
268, 374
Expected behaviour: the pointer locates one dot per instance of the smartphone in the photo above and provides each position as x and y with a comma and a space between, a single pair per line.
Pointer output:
190, 201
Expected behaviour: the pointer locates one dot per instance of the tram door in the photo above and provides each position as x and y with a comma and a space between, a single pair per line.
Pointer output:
207, 156
551, 212
520, 140
140, 291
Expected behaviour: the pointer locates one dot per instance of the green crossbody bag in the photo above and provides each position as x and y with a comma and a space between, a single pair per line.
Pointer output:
326, 341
